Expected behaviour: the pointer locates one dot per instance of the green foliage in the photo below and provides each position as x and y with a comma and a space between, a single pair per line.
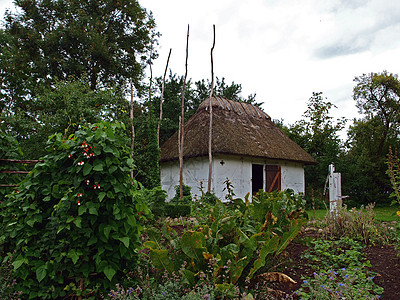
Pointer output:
342, 272
393, 172
355, 223
7, 281
342, 253
364, 178
155, 200
317, 133
186, 195
72, 229
44, 40
343, 284
377, 97
63, 108
9, 149
149, 154
173, 288
235, 242
195, 93
209, 198
177, 210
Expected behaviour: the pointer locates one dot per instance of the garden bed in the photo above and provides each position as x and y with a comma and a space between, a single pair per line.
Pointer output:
385, 263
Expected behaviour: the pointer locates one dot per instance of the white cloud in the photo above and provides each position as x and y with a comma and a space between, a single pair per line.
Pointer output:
282, 50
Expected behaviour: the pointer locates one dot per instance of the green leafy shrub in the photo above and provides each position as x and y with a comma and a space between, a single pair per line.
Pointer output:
393, 172
186, 195
209, 198
9, 149
177, 210
233, 244
343, 284
341, 272
155, 200
73, 228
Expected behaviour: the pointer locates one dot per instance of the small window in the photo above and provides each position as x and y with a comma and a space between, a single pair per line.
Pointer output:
273, 177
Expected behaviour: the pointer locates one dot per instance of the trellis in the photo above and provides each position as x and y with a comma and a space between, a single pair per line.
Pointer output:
15, 161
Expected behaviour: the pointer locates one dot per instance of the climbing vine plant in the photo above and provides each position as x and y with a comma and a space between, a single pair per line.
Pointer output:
74, 226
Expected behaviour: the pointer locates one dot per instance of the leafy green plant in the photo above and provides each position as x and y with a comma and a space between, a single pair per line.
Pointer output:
7, 281
393, 172
74, 225
187, 196
177, 210
9, 149
155, 200
343, 284
234, 243
344, 252
342, 272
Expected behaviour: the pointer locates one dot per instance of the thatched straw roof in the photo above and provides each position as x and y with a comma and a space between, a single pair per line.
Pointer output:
238, 129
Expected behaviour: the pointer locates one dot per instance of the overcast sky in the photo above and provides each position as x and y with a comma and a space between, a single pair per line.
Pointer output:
281, 50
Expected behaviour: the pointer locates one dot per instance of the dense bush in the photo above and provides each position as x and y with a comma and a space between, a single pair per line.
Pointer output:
186, 195
9, 149
73, 229
393, 172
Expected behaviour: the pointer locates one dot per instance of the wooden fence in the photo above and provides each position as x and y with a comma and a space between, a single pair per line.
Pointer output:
15, 161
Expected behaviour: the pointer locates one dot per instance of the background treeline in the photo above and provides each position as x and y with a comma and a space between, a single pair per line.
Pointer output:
65, 64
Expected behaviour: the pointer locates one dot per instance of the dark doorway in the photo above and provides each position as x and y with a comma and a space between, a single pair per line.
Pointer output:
257, 178
273, 178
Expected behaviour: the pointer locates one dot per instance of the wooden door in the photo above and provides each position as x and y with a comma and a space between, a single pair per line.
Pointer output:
273, 178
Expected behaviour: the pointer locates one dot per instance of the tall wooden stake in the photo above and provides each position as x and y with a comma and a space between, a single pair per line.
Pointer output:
151, 81
133, 128
162, 98
181, 136
211, 114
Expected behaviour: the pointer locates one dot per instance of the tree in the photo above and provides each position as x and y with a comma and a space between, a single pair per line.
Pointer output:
378, 96
65, 107
363, 173
221, 89
317, 133
194, 95
49, 39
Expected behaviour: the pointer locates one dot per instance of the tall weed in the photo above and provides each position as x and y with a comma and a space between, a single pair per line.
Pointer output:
355, 223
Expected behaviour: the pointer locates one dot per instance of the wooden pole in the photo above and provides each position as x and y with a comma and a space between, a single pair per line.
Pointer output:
132, 128
211, 114
183, 121
151, 81
162, 98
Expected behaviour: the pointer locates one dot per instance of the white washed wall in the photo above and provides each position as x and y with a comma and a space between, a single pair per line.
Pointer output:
292, 177
237, 169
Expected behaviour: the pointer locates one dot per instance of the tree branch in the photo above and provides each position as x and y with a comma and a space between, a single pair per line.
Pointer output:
162, 98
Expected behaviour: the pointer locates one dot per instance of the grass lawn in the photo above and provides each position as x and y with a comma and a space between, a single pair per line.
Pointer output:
382, 214
386, 214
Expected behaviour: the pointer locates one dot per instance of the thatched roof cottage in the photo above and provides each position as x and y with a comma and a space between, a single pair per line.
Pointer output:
247, 147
